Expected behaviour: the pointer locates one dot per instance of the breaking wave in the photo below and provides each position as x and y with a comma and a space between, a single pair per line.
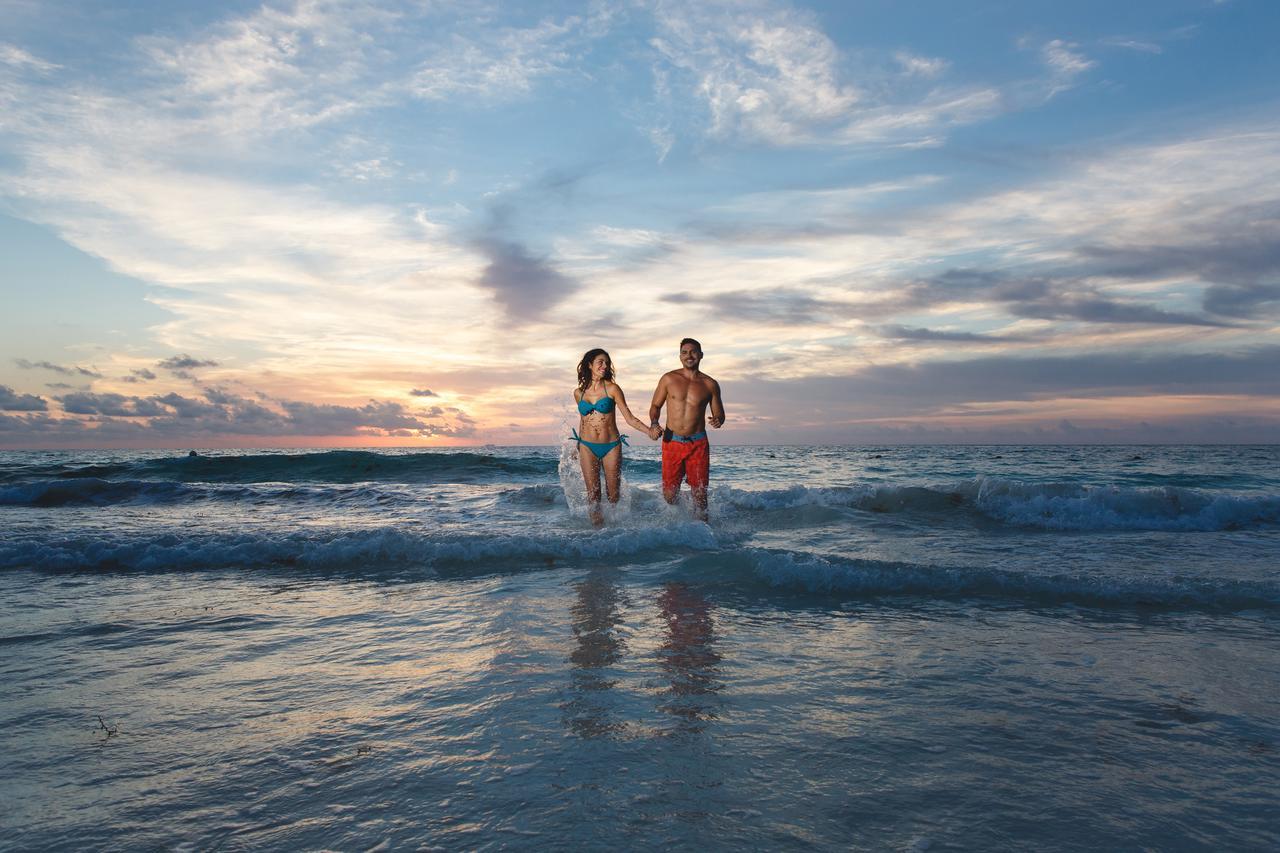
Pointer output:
1051, 506
369, 549
850, 576
330, 466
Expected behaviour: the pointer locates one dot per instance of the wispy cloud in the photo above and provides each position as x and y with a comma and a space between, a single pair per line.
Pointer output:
16, 57
75, 370
1065, 61
185, 362
907, 333
504, 63
1132, 44
767, 72
138, 375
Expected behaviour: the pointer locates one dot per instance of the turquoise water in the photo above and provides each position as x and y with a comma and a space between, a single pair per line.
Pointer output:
1060, 648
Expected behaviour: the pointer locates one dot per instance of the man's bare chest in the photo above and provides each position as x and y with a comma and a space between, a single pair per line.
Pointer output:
689, 393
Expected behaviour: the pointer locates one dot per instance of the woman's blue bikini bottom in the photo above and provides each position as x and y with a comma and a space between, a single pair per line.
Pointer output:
599, 448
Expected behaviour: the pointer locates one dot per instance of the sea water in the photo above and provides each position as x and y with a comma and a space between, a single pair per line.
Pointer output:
1051, 648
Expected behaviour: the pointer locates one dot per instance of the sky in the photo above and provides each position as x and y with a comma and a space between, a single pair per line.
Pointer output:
402, 223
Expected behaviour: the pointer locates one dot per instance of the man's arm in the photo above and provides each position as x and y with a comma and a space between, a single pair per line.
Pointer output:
659, 400
717, 406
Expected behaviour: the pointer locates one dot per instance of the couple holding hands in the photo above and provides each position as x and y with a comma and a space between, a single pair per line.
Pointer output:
685, 452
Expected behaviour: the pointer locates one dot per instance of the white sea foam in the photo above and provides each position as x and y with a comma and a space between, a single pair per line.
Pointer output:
1070, 506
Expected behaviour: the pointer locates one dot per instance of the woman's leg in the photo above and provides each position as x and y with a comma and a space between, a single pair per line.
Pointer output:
591, 476
613, 473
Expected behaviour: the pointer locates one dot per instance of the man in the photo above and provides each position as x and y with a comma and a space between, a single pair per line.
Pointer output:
685, 452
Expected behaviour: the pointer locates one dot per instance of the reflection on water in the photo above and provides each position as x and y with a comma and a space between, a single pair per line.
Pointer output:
688, 656
596, 614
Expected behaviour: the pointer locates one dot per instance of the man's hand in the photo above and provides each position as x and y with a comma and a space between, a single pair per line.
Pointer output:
654, 432
715, 422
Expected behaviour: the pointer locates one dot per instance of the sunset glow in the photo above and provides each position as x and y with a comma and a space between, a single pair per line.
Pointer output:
349, 224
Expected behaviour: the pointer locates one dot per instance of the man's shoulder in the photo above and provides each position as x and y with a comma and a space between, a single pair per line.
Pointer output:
710, 382
673, 374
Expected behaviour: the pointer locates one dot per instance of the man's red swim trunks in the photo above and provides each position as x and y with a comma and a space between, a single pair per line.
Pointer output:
685, 460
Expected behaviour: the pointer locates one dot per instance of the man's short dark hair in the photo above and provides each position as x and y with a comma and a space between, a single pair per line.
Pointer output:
696, 345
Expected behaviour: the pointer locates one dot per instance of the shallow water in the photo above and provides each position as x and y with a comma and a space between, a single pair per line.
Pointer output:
868, 648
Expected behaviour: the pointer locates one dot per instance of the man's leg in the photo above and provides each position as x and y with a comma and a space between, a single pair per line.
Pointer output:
698, 470
672, 470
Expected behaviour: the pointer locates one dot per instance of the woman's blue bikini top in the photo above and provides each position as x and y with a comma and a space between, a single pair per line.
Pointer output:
604, 406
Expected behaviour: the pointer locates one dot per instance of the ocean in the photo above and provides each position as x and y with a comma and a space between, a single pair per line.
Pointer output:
867, 648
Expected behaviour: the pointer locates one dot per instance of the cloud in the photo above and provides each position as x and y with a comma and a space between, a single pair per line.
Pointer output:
768, 73
1093, 308
1150, 43
1019, 296
28, 428
276, 69
16, 57
216, 412
117, 405
921, 66
772, 75
1237, 254
138, 375
500, 64
57, 368
1138, 45
1040, 297
782, 306
184, 362
1065, 62
321, 419
11, 401
907, 333
525, 285
895, 390
423, 392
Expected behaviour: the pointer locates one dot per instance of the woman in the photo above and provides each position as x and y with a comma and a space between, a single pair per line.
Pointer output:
599, 399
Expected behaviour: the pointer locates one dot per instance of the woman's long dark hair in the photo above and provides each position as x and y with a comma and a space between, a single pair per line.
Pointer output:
584, 368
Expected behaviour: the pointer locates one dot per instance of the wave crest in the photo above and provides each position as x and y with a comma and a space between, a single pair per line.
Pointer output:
358, 549
822, 574
1050, 506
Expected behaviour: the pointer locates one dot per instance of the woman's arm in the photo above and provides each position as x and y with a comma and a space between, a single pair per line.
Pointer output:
620, 401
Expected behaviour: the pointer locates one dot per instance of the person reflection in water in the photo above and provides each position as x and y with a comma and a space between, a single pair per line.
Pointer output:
688, 656
597, 613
